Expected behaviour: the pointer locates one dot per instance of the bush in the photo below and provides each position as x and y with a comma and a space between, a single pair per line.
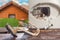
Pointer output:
11, 21
26, 21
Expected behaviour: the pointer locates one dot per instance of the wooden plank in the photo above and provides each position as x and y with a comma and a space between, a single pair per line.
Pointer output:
5, 30
44, 35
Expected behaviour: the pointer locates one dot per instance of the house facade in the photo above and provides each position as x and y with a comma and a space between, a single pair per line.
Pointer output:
13, 10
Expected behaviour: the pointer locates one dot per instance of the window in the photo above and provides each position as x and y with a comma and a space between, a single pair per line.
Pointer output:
11, 15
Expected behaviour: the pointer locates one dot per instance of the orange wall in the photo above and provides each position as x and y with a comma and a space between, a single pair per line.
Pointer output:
13, 10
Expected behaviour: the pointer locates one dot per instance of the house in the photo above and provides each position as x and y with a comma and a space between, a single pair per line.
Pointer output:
14, 10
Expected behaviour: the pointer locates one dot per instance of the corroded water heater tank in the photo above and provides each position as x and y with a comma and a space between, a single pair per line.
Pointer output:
51, 9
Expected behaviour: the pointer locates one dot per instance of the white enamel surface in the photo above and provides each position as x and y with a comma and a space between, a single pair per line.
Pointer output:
54, 14
34, 2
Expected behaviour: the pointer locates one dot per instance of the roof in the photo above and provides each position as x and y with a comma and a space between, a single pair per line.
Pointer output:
22, 7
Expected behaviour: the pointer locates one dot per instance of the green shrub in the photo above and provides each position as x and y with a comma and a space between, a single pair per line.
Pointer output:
11, 21
26, 21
